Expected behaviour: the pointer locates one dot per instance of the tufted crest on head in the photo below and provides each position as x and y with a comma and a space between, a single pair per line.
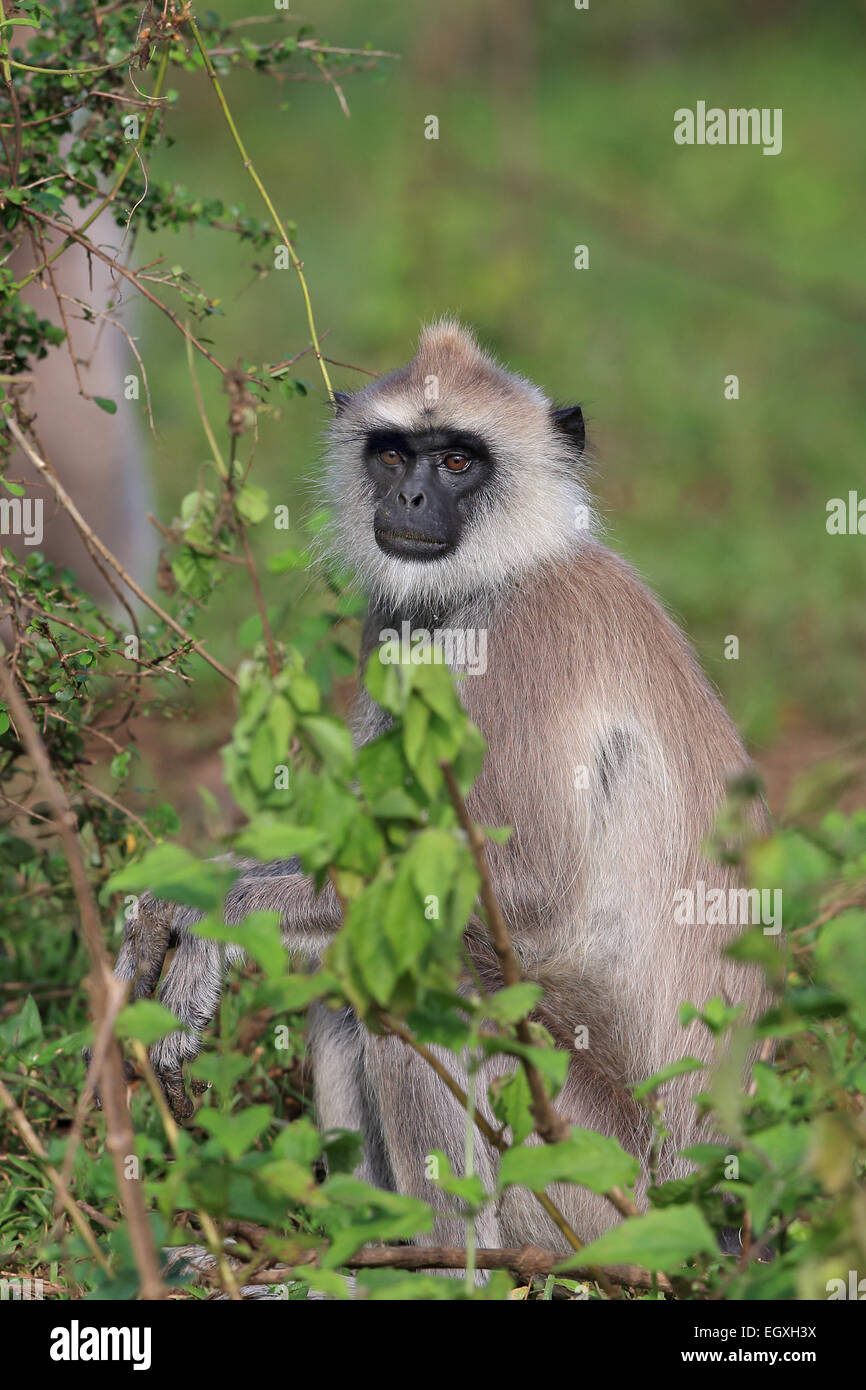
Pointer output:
536, 506
450, 381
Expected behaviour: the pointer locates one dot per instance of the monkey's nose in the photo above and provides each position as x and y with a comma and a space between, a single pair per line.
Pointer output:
416, 499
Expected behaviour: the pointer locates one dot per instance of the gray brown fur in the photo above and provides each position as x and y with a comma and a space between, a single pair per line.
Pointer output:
584, 668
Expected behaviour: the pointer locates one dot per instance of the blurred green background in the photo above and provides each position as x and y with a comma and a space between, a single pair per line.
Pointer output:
556, 129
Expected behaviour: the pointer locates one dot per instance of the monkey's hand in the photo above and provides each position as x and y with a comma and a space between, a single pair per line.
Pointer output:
194, 980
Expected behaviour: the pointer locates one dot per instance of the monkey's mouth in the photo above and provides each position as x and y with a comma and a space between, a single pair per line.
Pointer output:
410, 545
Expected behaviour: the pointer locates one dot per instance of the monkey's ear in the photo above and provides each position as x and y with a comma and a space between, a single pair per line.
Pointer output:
569, 420
341, 400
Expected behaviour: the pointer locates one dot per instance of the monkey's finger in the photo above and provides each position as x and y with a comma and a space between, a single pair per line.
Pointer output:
179, 1103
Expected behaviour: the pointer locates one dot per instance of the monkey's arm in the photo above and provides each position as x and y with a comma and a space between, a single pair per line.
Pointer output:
194, 981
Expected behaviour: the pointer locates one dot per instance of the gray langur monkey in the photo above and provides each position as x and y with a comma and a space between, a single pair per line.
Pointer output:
459, 498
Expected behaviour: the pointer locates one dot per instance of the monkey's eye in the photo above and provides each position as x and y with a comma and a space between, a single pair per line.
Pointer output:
456, 463
391, 456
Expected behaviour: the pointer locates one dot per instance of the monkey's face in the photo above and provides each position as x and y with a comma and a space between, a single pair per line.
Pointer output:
424, 486
449, 476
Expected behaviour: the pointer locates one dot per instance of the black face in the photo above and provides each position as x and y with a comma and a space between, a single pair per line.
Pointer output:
424, 484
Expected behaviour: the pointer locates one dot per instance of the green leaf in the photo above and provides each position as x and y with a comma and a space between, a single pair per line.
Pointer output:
513, 1003
783, 1145
326, 1281
404, 922
369, 1214
173, 873
469, 1189
24, 1029
841, 955
281, 721
716, 1015
680, 1068
299, 1142
593, 1160
194, 573
415, 730
258, 934
551, 1061
510, 1098
795, 865
362, 936
263, 757
120, 764
266, 838
293, 1180
382, 766
290, 559
106, 404
295, 992
223, 1069
304, 693
661, 1240
146, 1020
238, 1131
332, 741
754, 947
252, 503
435, 1019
